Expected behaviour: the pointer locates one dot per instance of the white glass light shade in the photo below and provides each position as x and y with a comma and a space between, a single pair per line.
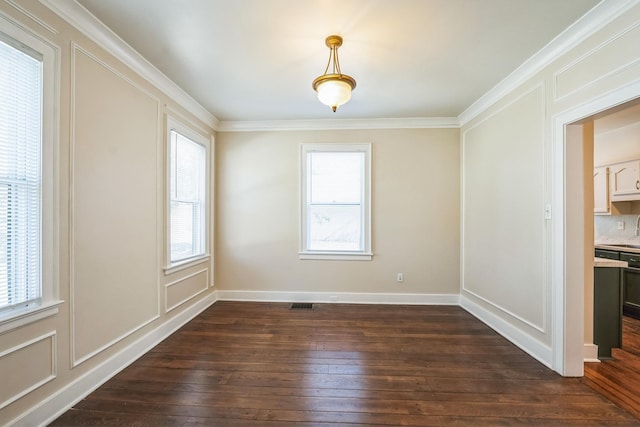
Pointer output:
334, 92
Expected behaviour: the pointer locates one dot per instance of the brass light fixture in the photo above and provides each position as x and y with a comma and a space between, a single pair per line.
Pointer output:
334, 88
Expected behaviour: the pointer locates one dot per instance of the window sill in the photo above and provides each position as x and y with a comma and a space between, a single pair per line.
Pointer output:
337, 256
16, 319
186, 264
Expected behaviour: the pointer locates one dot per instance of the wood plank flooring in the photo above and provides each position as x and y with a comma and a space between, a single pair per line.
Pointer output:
262, 364
619, 379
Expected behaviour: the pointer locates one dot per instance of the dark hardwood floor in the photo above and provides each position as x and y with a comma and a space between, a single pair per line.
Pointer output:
619, 379
262, 364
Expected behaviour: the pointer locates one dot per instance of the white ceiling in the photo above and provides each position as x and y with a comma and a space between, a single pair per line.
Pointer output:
252, 60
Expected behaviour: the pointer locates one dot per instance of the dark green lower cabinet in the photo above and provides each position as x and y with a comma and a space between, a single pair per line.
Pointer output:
607, 310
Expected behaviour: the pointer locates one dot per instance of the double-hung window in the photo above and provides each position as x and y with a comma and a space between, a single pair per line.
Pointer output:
20, 176
27, 180
336, 188
188, 177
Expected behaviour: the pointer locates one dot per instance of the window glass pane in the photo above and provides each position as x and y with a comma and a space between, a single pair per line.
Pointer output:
20, 176
188, 198
188, 169
336, 228
336, 177
185, 230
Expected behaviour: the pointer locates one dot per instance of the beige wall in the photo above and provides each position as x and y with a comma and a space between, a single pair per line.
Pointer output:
415, 214
113, 216
523, 134
503, 207
111, 229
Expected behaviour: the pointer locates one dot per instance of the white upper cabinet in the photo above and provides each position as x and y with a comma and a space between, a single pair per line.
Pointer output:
625, 181
601, 190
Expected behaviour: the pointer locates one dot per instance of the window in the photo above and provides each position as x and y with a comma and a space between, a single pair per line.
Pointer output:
336, 201
20, 176
27, 178
188, 166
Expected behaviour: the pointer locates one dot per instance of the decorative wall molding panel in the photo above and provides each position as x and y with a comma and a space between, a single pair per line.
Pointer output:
602, 62
492, 169
30, 365
115, 167
39, 21
182, 290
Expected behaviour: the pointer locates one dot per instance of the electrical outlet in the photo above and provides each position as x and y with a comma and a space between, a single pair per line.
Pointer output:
620, 225
400, 278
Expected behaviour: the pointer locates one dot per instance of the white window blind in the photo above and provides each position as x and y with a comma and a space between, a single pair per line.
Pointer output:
188, 198
21, 90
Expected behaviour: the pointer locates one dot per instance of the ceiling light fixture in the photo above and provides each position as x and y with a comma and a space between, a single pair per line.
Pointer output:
334, 88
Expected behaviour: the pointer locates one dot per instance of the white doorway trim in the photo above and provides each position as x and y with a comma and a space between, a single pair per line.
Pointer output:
567, 318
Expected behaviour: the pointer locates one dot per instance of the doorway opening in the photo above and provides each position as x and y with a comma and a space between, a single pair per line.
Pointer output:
572, 242
611, 142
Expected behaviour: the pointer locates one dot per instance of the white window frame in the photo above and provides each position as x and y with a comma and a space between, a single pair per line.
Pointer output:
12, 32
183, 129
366, 253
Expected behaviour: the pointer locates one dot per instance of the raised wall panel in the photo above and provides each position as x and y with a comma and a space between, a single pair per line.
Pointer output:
611, 57
503, 226
114, 211
182, 290
26, 367
34, 17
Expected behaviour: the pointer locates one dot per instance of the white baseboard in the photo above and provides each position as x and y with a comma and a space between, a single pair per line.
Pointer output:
340, 297
527, 343
58, 403
590, 353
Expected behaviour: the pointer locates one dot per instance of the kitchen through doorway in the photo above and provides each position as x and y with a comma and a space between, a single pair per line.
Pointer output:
615, 140
572, 227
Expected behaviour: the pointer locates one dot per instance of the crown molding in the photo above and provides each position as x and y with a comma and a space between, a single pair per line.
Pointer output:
601, 14
80, 18
338, 124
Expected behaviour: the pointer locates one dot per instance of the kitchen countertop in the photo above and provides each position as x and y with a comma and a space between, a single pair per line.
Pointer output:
612, 246
604, 262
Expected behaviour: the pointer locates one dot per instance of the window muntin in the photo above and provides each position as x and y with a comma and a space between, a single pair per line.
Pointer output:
187, 196
21, 109
335, 200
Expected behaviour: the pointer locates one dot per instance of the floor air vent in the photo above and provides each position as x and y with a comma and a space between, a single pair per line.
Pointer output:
302, 306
